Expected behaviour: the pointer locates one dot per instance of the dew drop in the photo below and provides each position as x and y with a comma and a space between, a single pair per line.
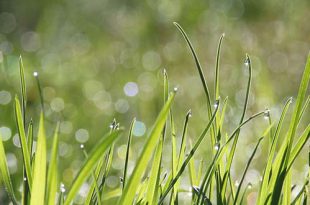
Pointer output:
291, 100
217, 146
236, 183
247, 61
62, 188
216, 104
189, 113
81, 146
250, 186
25, 179
111, 126
121, 179
266, 114
35, 74
175, 89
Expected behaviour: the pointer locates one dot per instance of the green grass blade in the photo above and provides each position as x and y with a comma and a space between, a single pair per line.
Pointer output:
153, 183
127, 151
88, 166
174, 157
52, 177
94, 185
246, 169
39, 172
23, 88
299, 145
201, 74
5, 175
202, 78
304, 108
23, 141
267, 172
234, 145
134, 180
217, 68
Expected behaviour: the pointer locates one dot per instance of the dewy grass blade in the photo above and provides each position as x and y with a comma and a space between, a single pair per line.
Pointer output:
202, 77
5, 175
23, 141
134, 180
52, 177
88, 166
233, 148
39, 172
267, 171
127, 151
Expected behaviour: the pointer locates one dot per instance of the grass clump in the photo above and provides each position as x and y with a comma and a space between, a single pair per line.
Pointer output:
211, 184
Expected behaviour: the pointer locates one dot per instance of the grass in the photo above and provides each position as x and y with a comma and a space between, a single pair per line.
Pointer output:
210, 184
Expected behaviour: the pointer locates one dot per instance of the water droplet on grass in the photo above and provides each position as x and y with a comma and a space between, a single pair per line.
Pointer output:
35, 74
217, 146
236, 183
81, 146
247, 61
266, 114
250, 186
25, 179
175, 89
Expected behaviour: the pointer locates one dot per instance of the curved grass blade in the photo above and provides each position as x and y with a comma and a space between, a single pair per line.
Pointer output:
23, 141
39, 172
202, 77
127, 151
5, 175
133, 183
88, 166
217, 68
52, 177
233, 148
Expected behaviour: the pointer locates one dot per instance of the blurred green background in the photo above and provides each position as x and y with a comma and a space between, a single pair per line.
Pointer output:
100, 59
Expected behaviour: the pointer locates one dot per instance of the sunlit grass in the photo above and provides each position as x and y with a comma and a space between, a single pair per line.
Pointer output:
211, 184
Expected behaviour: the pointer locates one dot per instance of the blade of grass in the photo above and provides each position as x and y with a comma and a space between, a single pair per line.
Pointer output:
23, 141
246, 169
153, 183
5, 175
127, 151
202, 77
23, 88
234, 145
88, 166
267, 172
131, 188
52, 177
39, 172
